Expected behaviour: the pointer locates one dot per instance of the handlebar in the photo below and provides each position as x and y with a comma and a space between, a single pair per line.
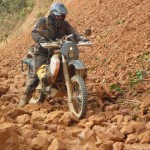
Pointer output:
50, 45
56, 45
88, 43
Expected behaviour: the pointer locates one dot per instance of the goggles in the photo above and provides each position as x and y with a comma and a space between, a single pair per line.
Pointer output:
60, 17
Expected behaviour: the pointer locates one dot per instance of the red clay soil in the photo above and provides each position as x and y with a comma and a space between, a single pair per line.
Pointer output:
118, 85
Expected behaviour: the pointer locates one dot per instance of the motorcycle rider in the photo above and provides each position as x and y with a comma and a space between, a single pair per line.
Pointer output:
47, 29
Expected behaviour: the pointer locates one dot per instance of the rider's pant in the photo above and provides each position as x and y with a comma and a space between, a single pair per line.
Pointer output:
32, 80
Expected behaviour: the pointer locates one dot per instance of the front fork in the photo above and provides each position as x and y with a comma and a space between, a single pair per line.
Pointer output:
67, 79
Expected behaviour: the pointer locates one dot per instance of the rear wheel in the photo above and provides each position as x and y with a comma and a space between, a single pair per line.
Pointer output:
78, 103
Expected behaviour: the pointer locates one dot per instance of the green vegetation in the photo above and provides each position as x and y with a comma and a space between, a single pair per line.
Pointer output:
40, 14
120, 21
14, 12
135, 117
26, 9
43, 8
135, 79
117, 88
145, 62
11, 11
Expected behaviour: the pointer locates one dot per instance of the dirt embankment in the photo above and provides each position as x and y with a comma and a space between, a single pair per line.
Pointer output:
118, 73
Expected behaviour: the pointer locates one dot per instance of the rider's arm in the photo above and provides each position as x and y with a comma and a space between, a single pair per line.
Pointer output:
40, 33
71, 30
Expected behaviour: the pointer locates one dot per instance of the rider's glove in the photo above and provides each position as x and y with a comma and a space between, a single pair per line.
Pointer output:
42, 40
84, 39
55, 42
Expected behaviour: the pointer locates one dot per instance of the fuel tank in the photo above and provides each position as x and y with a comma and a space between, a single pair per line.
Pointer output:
54, 67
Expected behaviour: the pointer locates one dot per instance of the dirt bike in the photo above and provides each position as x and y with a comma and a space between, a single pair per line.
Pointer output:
67, 73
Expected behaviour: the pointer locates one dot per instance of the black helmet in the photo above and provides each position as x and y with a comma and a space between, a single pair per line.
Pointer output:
58, 9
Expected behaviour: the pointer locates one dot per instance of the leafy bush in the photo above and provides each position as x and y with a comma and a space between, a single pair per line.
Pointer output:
11, 11
136, 78
14, 11
117, 88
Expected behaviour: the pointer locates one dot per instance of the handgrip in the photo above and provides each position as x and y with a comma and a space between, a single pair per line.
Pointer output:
50, 45
85, 44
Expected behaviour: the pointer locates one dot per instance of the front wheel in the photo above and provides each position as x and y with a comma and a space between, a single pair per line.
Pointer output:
78, 103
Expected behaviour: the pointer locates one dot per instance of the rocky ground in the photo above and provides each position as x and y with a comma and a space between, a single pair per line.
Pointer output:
118, 111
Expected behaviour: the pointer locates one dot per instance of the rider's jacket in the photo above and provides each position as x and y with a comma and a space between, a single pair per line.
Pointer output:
46, 29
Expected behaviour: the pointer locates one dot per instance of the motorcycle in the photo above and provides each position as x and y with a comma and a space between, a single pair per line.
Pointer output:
66, 74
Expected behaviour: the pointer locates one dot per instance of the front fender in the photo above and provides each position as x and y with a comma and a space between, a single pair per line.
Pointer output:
78, 64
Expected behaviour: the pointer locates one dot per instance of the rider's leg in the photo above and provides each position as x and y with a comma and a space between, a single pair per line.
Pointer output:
32, 81
42, 60
31, 85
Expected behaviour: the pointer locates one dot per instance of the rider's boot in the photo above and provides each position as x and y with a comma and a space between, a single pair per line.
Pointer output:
46, 80
31, 85
24, 100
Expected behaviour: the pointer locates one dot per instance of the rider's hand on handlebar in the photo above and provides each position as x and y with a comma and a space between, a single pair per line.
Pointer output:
83, 39
43, 40
55, 43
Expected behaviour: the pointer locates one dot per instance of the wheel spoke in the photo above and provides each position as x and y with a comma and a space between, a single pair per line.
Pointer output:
77, 97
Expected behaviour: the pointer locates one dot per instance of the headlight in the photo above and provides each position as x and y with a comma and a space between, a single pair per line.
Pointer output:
71, 54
